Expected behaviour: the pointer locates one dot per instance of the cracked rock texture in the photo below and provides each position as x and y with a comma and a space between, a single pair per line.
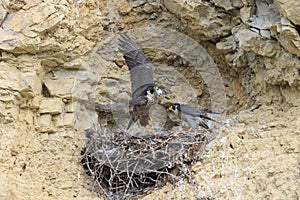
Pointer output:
53, 53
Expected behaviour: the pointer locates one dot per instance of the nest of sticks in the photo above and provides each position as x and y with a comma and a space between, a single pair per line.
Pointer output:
124, 166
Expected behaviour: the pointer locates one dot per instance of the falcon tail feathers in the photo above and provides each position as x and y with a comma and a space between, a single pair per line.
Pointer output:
208, 118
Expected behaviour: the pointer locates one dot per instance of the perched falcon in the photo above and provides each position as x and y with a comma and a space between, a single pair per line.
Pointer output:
193, 116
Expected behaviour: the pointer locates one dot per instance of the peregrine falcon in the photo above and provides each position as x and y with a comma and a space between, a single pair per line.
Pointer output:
144, 91
193, 116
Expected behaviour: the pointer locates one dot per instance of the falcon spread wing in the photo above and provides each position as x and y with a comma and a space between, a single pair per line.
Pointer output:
140, 67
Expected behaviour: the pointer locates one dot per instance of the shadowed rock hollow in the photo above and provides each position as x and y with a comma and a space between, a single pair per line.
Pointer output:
55, 53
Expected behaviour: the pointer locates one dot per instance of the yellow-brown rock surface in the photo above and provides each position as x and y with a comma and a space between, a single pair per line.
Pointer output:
47, 51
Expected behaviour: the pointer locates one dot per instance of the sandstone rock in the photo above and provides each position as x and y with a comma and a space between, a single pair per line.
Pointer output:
265, 22
266, 15
10, 77
288, 37
64, 120
158, 117
85, 120
231, 151
282, 70
136, 3
60, 87
52, 61
58, 120
4, 190
45, 120
21, 29
73, 64
110, 19
291, 95
49, 44
14, 5
3, 13
289, 9
245, 14
26, 116
35, 102
227, 44
64, 73
30, 84
200, 19
69, 119
123, 7
9, 96
17, 42
256, 157
51, 105
251, 41
30, 4
69, 108
33, 21
2, 110
229, 4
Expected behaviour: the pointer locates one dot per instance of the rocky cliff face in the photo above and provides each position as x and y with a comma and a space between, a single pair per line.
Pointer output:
56, 52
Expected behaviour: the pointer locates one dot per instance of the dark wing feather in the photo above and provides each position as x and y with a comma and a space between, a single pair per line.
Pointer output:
141, 100
141, 91
195, 112
191, 110
140, 67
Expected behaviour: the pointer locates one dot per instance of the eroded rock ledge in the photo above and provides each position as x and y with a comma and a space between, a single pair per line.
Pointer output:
47, 47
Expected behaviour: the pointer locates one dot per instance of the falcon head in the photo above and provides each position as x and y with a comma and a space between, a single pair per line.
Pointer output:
175, 108
159, 91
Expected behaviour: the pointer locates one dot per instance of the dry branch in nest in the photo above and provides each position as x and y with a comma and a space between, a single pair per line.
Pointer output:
122, 166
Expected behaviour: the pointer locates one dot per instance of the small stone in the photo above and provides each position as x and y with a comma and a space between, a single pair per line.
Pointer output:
124, 7
69, 108
51, 105
9, 76
73, 64
30, 84
153, 16
227, 44
120, 61
58, 120
69, 119
35, 102
60, 87
148, 8
271, 171
110, 83
45, 120
137, 3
